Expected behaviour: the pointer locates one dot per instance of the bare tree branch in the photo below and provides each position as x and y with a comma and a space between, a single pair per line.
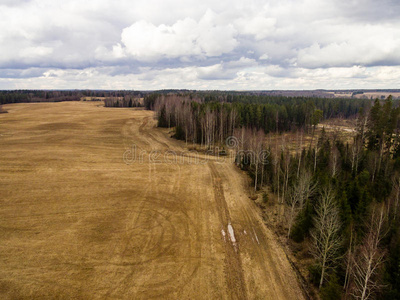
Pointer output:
325, 235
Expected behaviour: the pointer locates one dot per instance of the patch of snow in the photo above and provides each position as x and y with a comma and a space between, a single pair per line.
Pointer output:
231, 233
255, 234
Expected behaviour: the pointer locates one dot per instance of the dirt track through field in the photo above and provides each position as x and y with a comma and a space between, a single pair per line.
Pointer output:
234, 273
77, 221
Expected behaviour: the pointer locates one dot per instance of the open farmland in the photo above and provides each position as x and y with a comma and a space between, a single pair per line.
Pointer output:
76, 221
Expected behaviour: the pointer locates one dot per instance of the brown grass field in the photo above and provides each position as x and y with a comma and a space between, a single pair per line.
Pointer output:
76, 221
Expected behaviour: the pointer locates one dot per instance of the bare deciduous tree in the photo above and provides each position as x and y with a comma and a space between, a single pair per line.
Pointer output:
356, 150
292, 201
299, 151
349, 260
316, 149
326, 238
257, 146
298, 195
305, 188
334, 161
368, 257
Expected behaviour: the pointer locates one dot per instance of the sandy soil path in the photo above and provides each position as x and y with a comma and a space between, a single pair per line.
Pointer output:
77, 221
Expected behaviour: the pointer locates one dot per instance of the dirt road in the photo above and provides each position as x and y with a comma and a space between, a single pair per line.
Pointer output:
97, 203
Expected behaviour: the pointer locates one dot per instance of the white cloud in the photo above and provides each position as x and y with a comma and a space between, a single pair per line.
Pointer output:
358, 45
31, 52
258, 26
147, 42
219, 44
225, 70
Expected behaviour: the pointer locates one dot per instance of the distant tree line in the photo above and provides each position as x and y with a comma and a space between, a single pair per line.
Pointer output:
27, 96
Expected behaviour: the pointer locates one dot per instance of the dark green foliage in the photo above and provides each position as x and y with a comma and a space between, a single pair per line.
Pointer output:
383, 121
179, 132
316, 117
314, 273
392, 270
303, 223
332, 290
149, 101
345, 209
381, 187
162, 120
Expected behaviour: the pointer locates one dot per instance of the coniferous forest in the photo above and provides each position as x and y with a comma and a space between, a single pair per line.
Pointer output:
340, 197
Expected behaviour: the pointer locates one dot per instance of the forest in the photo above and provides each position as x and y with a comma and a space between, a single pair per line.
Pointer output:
126, 101
209, 118
340, 198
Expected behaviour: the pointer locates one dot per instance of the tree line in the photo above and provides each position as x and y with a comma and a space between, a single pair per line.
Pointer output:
27, 96
126, 101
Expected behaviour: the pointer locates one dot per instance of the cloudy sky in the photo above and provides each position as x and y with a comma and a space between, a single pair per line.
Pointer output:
230, 45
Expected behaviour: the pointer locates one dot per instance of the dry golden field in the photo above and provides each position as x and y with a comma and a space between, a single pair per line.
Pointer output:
76, 221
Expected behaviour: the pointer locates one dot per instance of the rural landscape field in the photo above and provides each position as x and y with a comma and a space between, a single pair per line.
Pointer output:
168, 149
77, 221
